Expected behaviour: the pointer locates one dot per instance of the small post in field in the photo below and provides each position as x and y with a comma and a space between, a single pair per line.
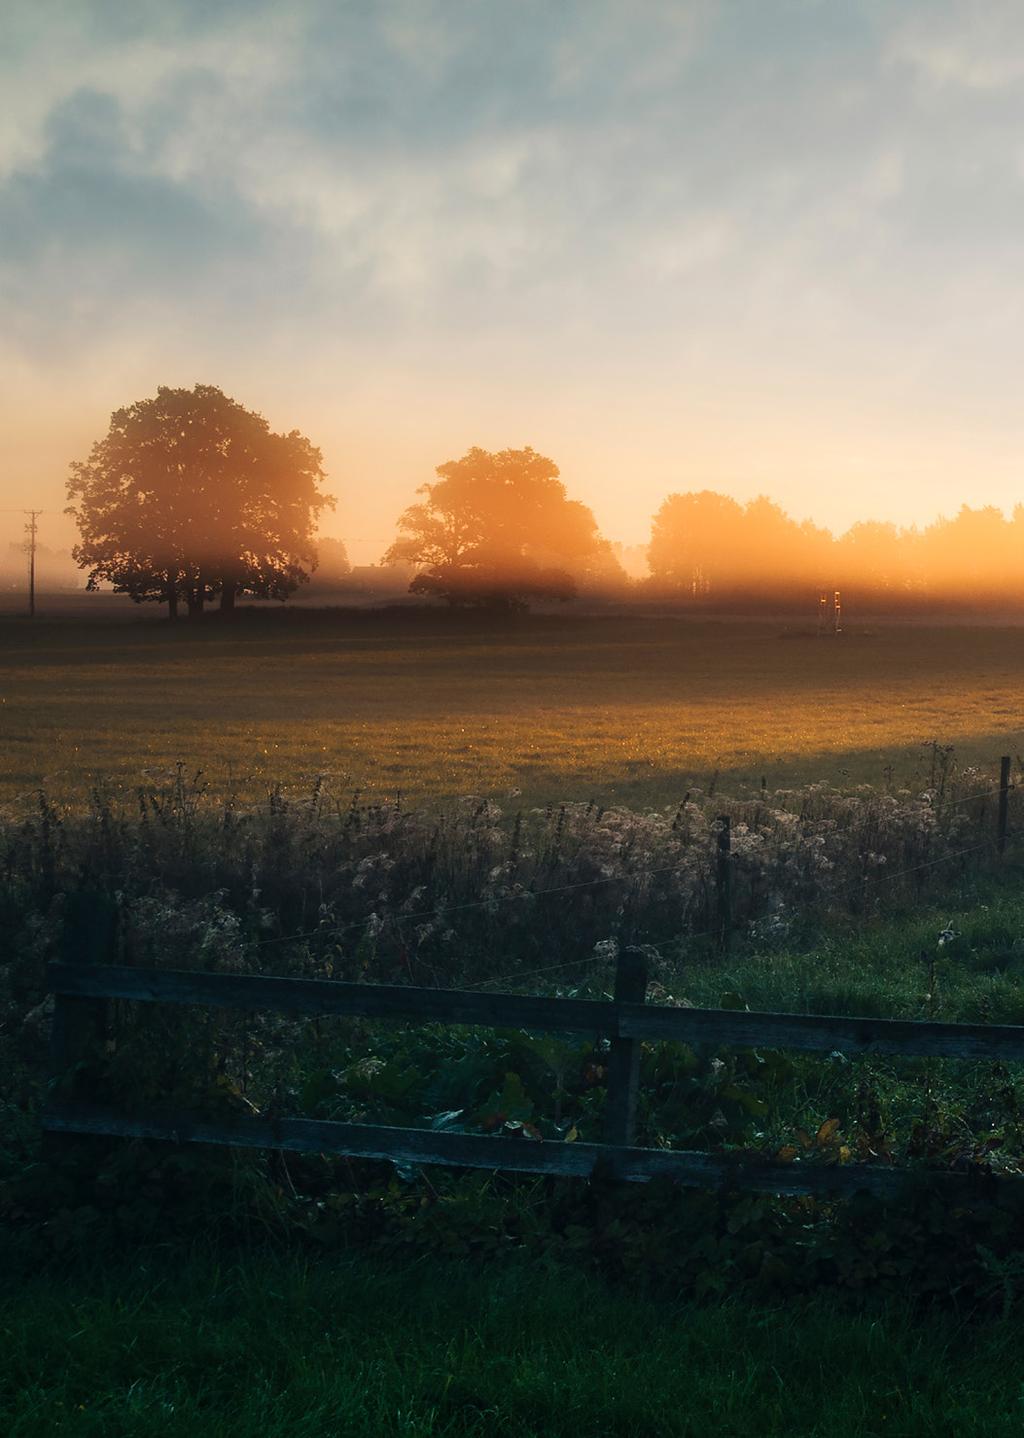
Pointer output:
1004, 802
624, 1060
723, 881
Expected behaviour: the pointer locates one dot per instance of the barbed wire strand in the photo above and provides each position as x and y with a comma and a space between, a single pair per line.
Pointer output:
686, 938
332, 933
967, 799
640, 874
473, 904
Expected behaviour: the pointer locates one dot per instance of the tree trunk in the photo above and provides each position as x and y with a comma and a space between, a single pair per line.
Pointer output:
172, 599
227, 597
196, 597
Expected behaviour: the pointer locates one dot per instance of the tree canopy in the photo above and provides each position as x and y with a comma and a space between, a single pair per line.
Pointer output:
705, 544
499, 529
189, 496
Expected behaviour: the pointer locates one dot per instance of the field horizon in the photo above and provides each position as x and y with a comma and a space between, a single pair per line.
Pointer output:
540, 708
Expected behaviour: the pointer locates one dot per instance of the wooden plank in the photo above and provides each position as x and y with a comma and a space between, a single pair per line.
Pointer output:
717, 1027
822, 1033
424, 1147
328, 996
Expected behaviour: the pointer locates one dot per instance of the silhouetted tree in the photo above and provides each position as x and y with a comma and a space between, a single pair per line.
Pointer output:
691, 538
498, 529
706, 543
332, 561
973, 553
190, 496
877, 556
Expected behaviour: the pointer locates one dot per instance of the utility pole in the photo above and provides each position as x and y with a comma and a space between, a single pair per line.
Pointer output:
31, 530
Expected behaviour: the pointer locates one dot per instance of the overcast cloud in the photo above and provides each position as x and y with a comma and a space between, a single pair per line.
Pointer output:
795, 204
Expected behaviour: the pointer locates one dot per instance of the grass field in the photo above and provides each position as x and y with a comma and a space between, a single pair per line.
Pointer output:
223, 1341
619, 709
209, 1347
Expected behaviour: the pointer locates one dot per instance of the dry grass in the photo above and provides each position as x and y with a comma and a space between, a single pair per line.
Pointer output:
627, 710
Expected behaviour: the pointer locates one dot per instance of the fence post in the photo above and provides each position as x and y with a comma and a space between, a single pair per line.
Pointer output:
1004, 801
79, 1025
624, 1060
723, 881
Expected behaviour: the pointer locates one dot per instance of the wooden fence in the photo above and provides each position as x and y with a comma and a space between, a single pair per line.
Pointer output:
83, 991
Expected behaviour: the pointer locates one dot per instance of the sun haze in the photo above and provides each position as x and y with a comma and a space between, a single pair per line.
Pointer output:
748, 247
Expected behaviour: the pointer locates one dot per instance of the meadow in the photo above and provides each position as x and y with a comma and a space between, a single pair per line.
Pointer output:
159, 1291
630, 710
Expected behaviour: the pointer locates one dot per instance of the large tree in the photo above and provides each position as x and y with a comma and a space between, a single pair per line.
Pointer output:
498, 529
191, 497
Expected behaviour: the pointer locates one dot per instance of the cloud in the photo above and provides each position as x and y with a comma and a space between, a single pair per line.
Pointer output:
963, 45
718, 183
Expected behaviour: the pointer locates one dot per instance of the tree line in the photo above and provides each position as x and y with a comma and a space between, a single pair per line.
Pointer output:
190, 499
709, 545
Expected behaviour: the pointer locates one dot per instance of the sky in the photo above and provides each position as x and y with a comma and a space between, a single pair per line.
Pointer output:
760, 246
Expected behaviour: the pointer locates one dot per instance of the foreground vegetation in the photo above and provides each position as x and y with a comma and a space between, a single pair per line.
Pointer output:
835, 908
208, 1345
618, 710
155, 1290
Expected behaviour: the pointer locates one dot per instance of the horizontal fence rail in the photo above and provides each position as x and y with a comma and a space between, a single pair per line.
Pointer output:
737, 1028
83, 989
417, 1146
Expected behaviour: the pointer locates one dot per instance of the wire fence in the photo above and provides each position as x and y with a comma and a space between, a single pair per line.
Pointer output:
695, 905
495, 901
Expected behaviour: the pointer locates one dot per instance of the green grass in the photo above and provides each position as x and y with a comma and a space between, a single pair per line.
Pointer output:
618, 709
271, 1345
889, 967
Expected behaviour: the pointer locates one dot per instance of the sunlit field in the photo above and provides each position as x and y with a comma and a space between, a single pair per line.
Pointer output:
624, 709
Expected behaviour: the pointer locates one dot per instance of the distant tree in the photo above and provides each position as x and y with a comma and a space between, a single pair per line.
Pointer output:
498, 529
973, 554
875, 555
55, 569
332, 561
691, 538
632, 559
189, 496
704, 543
